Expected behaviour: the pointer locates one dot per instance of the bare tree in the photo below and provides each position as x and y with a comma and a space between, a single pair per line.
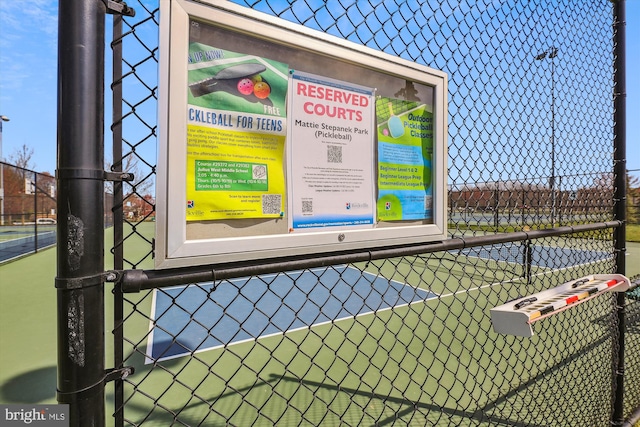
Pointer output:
21, 157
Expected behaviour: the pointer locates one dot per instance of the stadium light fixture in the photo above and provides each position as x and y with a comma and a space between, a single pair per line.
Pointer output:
551, 53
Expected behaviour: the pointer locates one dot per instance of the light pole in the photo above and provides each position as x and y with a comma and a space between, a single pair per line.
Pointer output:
551, 53
2, 119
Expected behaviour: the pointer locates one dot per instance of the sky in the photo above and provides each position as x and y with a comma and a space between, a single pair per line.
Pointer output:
28, 81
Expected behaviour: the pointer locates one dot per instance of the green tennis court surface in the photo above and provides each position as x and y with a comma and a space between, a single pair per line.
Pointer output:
413, 364
205, 316
422, 363
195, 318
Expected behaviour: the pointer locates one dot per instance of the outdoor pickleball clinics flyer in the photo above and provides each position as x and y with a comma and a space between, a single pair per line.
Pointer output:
405, 149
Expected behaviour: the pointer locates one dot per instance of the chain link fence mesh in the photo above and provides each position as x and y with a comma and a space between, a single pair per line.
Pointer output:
27, 211
406, 340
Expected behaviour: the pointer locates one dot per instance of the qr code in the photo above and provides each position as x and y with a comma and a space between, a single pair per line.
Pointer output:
271, 204
334, 154
307, 206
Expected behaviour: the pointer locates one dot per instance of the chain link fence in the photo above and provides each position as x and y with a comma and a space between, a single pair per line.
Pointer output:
405, 339
27, 211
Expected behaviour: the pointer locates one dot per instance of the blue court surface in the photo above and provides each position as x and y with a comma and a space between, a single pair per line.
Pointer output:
202, 317
550, 257
24, 241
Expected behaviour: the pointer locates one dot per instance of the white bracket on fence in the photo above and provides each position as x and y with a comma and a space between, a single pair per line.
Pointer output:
516, 317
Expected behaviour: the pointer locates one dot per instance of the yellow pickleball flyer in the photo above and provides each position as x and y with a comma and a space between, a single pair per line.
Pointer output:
236, 130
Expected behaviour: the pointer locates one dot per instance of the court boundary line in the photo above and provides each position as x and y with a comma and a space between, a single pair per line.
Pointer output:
149, 347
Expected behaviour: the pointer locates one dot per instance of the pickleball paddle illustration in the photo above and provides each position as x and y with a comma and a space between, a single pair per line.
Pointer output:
239, 79
396, 129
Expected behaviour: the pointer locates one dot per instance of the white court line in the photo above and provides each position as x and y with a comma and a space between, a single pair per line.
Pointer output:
520, 279
431, 295
148, 354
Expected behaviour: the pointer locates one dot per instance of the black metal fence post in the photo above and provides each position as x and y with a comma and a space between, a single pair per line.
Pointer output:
496, 213
35, 212
118, 217
620, 174
80, 174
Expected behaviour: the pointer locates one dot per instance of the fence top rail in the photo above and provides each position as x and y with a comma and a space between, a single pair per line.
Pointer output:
21, 168
132, 281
